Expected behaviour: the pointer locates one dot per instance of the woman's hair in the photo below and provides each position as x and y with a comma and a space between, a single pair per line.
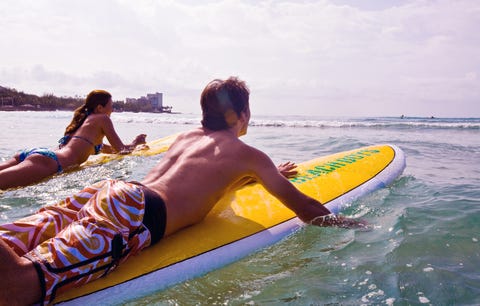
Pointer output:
94, 98
222, 103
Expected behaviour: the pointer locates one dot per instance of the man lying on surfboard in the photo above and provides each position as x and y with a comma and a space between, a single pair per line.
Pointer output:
88, 234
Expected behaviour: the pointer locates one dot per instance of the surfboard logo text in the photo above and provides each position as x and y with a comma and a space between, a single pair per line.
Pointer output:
331, 166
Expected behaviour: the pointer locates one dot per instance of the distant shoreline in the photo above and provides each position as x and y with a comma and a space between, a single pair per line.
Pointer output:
30, 108
9, 108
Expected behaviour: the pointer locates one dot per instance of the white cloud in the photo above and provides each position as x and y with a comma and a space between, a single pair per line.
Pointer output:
370, 60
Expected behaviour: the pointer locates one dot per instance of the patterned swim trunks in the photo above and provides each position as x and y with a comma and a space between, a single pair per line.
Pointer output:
82, 237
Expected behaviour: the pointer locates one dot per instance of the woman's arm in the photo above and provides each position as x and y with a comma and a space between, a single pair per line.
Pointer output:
116, 144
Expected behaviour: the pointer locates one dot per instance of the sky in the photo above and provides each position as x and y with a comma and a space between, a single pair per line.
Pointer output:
310, 57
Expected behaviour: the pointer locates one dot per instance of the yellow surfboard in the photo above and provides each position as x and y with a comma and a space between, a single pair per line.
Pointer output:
242, 223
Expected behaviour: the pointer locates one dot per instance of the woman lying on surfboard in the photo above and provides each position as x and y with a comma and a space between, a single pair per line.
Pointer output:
83, 137
89, 234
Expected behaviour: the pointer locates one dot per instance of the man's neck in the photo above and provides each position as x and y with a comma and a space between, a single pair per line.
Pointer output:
234, 131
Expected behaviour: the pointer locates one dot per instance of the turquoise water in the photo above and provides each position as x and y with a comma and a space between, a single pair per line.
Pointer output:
424, 249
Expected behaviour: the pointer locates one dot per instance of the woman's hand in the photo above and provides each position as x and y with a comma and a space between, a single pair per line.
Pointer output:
140, 139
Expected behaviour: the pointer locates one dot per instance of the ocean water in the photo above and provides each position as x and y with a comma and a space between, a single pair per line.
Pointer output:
424, 249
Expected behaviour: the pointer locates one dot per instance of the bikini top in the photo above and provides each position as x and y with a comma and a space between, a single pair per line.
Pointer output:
64, 140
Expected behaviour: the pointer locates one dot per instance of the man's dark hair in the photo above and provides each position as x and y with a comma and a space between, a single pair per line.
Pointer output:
222, 103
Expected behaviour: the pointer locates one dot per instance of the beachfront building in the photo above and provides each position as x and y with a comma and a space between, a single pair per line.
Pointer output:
155, 101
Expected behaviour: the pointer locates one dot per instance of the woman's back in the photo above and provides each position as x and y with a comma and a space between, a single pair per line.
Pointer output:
83, 143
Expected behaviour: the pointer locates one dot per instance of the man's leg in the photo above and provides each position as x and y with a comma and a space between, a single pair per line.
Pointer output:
19, 283
25, 234
107, 231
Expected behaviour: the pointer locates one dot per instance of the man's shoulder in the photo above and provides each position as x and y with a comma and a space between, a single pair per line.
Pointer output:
198, 133
221, 137
190, 134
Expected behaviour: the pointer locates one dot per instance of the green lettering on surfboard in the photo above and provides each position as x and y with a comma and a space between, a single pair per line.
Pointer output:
331, 166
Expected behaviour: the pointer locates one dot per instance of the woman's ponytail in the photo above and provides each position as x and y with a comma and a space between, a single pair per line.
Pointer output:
94, 98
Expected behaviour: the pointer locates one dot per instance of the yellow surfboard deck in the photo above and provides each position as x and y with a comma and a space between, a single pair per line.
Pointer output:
242, 222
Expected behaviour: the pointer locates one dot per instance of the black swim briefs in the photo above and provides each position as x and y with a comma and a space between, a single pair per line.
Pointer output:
155, 217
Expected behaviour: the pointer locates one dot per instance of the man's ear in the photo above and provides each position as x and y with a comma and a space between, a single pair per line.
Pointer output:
231, 117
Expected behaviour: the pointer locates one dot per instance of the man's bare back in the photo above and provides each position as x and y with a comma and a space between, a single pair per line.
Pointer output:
195, 172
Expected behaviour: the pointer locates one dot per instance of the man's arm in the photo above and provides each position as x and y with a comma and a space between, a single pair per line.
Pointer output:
306, 208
